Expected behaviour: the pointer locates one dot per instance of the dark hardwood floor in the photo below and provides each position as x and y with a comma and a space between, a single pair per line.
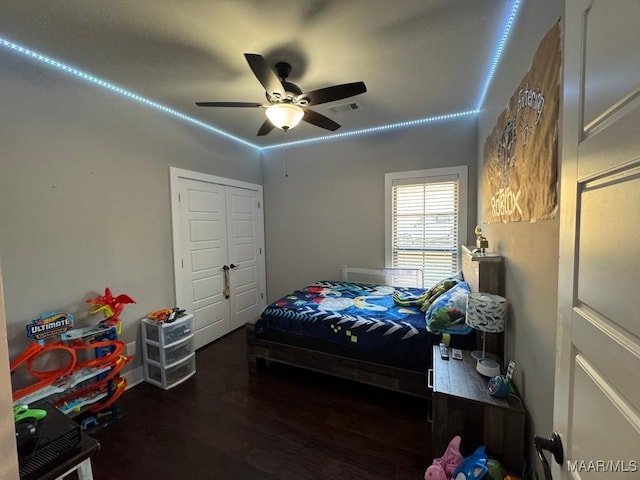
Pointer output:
285, 423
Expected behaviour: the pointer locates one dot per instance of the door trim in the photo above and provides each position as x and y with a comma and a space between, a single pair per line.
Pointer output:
175, 174
9, 469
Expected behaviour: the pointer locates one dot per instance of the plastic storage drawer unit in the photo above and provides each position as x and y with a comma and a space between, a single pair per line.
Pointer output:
172, 375
164, 334
171, 354
169, 358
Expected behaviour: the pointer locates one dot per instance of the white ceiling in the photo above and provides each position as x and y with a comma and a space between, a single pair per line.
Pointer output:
418, 58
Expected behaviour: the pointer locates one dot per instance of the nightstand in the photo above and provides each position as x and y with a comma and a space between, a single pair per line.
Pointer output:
462, 406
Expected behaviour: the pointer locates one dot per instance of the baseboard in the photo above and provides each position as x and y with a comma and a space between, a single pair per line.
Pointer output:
134, 377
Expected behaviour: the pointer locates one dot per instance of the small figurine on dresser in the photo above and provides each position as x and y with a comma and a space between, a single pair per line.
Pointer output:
481, 242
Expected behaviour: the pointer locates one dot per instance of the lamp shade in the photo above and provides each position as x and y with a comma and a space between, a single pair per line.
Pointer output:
486, 312
284, 115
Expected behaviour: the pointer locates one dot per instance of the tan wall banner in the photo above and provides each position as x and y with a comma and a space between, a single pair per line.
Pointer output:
519, 175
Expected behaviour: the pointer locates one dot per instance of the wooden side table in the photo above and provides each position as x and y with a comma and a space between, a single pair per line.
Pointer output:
462, 406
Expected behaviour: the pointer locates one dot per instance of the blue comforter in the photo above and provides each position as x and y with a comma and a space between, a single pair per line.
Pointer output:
357, 316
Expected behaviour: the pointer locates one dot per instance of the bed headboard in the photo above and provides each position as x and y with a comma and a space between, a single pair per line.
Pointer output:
483, 273
398, 277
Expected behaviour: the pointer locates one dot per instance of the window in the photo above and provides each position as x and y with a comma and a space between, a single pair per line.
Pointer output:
426, 220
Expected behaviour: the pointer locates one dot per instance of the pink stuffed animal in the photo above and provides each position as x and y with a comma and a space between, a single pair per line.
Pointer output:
442, 468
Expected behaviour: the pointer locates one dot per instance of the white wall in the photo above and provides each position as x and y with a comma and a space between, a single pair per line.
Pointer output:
330, 209
530, 249
84, 195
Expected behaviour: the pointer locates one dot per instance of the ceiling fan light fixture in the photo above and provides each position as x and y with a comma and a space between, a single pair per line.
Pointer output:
284, 115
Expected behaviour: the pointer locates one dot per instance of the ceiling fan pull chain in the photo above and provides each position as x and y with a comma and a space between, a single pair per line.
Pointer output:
286, 160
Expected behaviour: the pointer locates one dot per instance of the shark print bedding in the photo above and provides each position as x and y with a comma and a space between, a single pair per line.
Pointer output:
357, 316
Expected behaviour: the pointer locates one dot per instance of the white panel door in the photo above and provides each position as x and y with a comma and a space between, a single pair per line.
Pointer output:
243, 225
597, 385
204, 254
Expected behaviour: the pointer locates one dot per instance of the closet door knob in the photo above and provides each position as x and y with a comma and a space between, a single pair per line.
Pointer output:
232, 266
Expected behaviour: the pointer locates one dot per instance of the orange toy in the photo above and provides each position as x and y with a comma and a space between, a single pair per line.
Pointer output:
110, 306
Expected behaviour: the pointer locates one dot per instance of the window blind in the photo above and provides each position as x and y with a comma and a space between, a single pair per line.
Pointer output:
425, 226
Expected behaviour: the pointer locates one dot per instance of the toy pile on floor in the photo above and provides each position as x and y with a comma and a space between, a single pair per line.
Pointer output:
453, 466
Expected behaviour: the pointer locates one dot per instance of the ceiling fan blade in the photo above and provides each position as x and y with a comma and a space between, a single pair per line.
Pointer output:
265, 75
330, 94
319, 120
266, 127
228, 104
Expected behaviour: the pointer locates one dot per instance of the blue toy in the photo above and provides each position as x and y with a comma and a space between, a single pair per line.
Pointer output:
472, 467
500, 386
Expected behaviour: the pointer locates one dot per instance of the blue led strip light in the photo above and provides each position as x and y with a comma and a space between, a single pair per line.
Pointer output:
121, 91
496, 58
367, 131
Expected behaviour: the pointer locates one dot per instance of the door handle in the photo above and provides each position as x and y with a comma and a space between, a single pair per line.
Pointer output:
232, 266
225, 288
552, 445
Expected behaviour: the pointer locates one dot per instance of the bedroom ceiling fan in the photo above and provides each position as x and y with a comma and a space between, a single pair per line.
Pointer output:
287, 104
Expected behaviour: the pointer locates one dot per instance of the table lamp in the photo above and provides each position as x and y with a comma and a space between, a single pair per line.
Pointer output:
486, 313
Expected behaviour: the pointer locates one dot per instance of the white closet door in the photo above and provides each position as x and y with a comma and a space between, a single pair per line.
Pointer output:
217, 223
243, 225
204, 254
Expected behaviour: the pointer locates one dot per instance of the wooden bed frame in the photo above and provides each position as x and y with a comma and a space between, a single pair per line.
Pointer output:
483, 273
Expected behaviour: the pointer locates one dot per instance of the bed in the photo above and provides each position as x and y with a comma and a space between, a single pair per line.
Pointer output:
354, 328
